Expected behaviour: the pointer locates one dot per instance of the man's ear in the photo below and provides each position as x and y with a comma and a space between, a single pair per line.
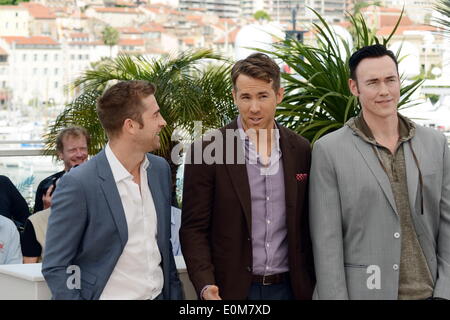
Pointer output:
233, 92
280, 95
353, 86
128, 125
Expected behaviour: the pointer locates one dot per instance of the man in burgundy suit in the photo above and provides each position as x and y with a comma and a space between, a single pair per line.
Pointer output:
245, 231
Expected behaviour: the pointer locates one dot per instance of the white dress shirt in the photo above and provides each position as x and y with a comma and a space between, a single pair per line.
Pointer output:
137, 274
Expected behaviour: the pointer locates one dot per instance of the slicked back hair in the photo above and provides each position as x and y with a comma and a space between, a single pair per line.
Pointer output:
259, 66
123, 101
373, 51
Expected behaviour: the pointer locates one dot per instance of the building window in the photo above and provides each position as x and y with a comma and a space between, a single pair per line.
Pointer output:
45, 71
56, 84
72, 57
56, 71
80, 57
35, 57
24, 57
56, 57
45, 57
34, 71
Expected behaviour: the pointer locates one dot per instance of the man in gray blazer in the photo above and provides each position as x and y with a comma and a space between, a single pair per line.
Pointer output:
380, 196
109, 231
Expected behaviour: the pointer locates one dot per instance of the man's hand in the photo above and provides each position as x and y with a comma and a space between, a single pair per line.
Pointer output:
47, 198
211, 293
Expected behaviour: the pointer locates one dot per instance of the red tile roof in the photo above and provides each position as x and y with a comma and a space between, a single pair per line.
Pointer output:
118, 10
30, 40
13, 7
131, 42
386, 20
79, 35
130, 30
152, 27
385, 31
38, 11
189, 41
194, 18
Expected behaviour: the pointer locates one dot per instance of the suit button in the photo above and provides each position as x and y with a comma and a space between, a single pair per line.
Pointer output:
248, 239
249, 269
395, 267
396, 235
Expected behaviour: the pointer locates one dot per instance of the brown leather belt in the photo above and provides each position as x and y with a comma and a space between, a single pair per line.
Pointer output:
270, 279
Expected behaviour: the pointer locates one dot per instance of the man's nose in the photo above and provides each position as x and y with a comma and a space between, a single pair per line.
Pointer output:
384, 90
163, 122
254, 106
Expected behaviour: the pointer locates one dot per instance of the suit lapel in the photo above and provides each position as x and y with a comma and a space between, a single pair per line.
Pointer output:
289, 169
158, 200
375, 167
412, 172
239, 177
112, 196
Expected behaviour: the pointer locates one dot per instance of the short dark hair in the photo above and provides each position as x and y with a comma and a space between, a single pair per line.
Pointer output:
73, 131
373, 51
123, 101
258, 66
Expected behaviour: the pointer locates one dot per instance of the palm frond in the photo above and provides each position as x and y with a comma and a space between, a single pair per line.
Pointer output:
317, 97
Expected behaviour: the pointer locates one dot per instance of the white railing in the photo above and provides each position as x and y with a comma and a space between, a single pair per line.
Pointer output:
16, 151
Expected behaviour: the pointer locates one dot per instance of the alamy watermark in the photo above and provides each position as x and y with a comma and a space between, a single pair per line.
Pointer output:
374, 280
74, 280
226, 147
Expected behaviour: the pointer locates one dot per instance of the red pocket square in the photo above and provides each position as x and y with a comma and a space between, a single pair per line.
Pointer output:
301, 176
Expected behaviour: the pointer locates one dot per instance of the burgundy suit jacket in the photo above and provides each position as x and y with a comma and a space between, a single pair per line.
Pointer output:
215, 233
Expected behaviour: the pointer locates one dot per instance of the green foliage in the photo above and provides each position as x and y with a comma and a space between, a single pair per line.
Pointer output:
443, 7
110, 36
11, 2
317, 98
364, 4
187, 91
25, 184
433, 97
261, 15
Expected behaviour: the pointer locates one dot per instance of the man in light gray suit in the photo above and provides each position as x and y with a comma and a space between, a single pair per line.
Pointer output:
109, 231
380, 196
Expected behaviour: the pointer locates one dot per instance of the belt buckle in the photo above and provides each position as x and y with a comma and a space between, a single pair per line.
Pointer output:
264, 281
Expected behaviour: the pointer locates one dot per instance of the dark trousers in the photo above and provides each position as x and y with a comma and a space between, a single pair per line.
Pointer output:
280, 291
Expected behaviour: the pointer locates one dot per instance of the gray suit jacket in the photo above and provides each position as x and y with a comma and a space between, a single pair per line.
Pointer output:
88, 228
353, 215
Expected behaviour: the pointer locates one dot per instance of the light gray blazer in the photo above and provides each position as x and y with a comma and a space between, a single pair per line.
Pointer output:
353, 216
87, 227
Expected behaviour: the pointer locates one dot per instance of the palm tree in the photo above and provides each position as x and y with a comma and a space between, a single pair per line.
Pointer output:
443, 7
189, 89
317, 98
110, 37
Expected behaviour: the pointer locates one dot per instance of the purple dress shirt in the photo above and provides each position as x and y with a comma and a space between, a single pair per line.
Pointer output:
268, 203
